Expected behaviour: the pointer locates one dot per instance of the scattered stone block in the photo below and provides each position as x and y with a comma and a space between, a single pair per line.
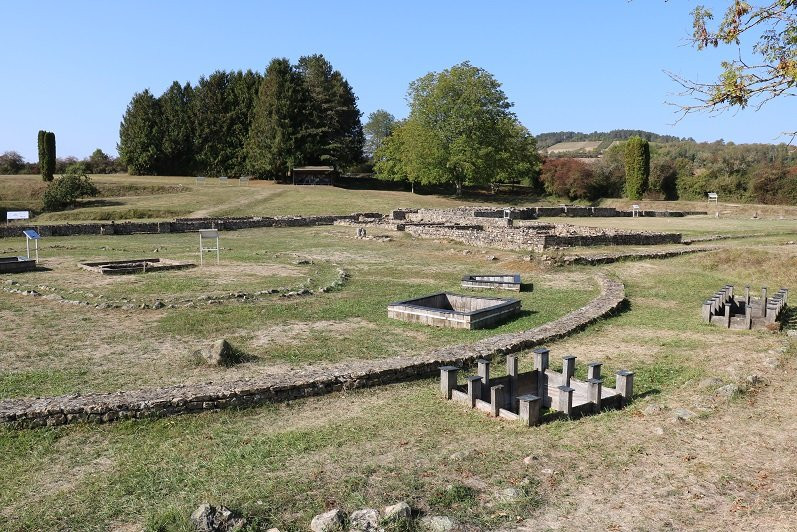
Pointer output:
330, 521
508, 495
729, 390
710, 382
208, 518
220, 353
682, 414
400, 511
366, 520
437, 523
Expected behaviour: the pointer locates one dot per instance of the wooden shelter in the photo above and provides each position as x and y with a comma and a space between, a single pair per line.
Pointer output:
313, 175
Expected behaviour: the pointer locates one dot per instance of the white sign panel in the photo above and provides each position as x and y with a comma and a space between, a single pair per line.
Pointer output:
17, 215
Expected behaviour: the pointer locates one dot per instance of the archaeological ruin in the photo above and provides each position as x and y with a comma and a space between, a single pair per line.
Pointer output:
454, 310
508, 228
500, 282
523, 396
746, 312
133, 266
17, 264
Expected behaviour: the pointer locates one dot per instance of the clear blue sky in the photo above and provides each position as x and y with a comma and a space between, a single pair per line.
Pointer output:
72, 67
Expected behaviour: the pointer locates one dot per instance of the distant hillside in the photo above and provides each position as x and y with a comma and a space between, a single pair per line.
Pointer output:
545, 140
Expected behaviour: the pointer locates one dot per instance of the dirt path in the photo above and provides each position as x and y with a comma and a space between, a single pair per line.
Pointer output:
254, 197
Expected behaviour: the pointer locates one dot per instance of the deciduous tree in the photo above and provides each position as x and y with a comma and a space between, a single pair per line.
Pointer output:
468, 135
380, 126
772, 28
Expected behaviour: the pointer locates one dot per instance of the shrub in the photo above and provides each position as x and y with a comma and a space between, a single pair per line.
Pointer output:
67, 189
569, 178
663, 178
775, 184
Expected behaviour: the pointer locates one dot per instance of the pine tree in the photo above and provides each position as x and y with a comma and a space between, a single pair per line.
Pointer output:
141, 135
243, 91
177, 154
278, 132
637, 167
334, 127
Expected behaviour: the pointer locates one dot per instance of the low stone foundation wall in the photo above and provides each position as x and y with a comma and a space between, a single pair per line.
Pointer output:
173, 400
608, 258
541, 236
467, 214
181, 225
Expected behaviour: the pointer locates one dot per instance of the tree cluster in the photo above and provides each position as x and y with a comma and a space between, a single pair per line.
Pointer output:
546, 140
12, 163
238, 123
460, 131
686, 170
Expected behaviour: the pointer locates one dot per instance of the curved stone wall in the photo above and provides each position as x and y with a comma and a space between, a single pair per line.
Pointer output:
173, 400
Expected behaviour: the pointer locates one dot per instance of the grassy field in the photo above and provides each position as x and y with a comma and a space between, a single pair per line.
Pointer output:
149, 197
126, 197
728, 467
107, 349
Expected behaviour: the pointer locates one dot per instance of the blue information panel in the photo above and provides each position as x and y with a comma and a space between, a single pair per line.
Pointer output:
31, 234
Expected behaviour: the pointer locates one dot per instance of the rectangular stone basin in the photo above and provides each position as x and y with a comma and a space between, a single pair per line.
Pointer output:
17, 264
454, 310
133, 266
502, 282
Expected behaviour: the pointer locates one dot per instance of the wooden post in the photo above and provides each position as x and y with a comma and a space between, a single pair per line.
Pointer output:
625, 385
728, 316
566, 400
747, 295
529, 409
568, 369
595, 389
448, 380
474, 389
484, 373
748, 317
763, 301
497, 400
594, 370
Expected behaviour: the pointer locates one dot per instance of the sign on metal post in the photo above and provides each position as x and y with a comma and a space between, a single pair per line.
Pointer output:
713, 196
634, 211
31, 234
206, 235
17, 215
